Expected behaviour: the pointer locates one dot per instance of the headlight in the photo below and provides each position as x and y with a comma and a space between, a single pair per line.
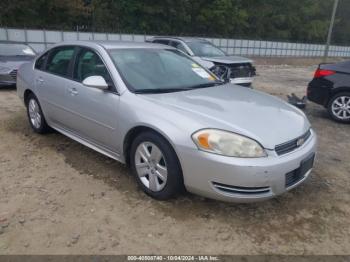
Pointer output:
227, 144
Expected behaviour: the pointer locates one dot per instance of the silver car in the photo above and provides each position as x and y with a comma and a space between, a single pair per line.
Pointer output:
12, 56
235, 69
178, 127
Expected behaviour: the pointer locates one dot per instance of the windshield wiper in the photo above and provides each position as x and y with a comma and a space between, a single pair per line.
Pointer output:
216, 83
170, 90
159, 90
24, 55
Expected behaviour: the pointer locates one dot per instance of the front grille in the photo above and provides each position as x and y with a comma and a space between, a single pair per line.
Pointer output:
13, 74
241, 190
233, 70
293, 144
242, 70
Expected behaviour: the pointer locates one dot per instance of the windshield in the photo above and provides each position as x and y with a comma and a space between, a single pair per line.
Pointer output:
159, 70
16, 50
205, 49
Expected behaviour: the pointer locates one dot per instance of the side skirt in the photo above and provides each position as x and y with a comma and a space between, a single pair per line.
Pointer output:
89, 144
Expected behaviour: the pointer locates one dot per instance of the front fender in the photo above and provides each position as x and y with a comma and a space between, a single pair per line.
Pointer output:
138, 112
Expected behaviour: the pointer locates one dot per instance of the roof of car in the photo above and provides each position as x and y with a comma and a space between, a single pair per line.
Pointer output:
12, 43
181, 38
116, 44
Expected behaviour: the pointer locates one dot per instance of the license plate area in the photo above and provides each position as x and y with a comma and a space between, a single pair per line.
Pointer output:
298, 174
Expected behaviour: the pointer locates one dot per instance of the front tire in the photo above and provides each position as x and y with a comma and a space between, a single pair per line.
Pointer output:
155, 166
339, 107
35, 115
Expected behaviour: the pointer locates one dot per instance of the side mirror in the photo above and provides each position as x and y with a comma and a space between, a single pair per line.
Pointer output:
96, 82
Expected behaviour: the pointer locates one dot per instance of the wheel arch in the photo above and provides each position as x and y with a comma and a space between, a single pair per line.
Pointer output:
335, 91
135, 131
26, 94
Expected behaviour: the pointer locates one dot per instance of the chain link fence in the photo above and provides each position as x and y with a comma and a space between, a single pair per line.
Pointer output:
41, 39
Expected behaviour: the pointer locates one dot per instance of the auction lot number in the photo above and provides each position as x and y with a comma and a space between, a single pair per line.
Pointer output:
173, 258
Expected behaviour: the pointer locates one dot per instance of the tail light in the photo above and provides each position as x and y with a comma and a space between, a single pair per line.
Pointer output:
323, 72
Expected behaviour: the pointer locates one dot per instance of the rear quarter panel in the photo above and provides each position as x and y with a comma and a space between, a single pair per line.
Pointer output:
341, 80
321, 90
25, 79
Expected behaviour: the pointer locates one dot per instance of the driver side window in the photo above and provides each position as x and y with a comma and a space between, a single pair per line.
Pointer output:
88, 63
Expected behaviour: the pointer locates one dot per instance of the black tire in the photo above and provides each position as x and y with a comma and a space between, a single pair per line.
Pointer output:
174, 183
330, 104
43, 127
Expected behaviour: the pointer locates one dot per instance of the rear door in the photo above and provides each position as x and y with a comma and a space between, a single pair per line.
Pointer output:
94, 112
52, 76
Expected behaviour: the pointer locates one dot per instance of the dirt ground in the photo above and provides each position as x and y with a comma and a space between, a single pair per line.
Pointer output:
59, 197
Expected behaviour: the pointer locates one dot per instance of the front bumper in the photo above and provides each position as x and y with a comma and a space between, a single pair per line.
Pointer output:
252, 180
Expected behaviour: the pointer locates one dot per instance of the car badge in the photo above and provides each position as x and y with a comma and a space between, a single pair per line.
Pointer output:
300, 142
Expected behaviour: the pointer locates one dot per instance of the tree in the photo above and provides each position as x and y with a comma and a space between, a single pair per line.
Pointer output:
287, 20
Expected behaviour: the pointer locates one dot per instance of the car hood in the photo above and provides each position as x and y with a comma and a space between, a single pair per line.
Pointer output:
228, 59
255, 114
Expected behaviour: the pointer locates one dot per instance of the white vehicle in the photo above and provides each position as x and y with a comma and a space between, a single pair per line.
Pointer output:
235, 69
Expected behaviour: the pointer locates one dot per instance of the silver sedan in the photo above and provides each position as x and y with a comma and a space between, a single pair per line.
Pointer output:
171, 120
12, 56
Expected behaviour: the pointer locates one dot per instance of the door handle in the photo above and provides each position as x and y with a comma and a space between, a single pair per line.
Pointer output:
40, 80
73, 91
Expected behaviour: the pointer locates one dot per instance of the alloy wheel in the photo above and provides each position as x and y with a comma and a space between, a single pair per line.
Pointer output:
341, 107
34, 113
150, 166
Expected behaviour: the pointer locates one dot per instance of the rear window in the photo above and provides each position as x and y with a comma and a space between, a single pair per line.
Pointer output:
59, 60
41, 62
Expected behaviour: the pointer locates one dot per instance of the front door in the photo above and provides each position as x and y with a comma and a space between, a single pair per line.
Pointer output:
94, 111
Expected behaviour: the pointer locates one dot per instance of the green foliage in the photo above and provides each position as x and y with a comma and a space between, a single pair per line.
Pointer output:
289, 20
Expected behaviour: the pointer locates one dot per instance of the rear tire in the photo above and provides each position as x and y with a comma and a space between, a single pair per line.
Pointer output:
35, 115
155, 166
339, 107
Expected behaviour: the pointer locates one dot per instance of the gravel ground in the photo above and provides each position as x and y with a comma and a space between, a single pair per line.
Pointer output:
59, 197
